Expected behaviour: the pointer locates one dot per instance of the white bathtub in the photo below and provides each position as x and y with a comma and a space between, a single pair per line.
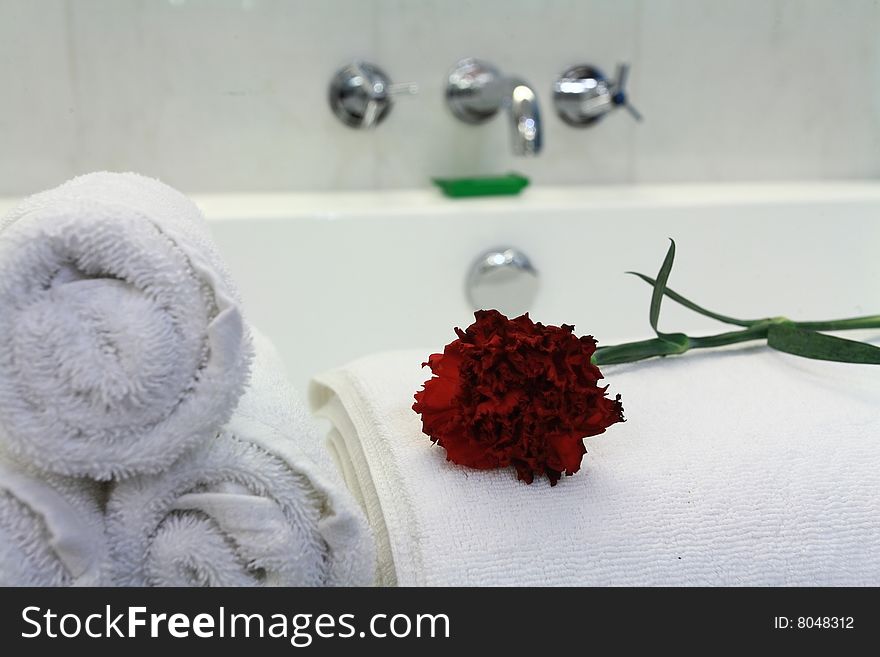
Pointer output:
330, 277
333, 277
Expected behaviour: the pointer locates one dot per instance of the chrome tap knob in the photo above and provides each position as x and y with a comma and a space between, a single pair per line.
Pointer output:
361, 94
476, 91
583, 95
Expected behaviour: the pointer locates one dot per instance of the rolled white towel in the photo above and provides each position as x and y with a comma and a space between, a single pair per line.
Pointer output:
259, 505
746, 467
51, 529
123, 343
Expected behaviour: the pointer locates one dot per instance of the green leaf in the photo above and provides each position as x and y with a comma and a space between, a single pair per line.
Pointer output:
809, 344
660, 287
687, 303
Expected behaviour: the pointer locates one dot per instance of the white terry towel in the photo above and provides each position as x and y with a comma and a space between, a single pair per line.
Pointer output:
123, 343
51, 529
743, 467
258, 505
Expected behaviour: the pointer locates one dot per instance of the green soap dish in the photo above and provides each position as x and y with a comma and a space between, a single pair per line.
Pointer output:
506, 185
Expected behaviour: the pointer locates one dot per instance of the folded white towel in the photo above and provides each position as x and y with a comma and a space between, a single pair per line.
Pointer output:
51, 529
258, 505
123, 344
742, 467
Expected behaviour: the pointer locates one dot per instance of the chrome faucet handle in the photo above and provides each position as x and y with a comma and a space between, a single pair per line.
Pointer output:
582, 95
619, 88
361, 94
476, 91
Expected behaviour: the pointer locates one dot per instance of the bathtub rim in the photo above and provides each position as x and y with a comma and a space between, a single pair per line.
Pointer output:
329, 205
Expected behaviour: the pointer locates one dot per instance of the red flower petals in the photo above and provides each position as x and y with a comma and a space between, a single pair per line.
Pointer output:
513, 392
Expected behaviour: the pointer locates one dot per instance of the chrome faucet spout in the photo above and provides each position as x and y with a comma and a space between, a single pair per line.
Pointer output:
476, 91
525, 117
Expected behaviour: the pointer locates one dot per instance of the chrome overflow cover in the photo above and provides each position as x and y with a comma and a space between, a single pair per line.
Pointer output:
503, 279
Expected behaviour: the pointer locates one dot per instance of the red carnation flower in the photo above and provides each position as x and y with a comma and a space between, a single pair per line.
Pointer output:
513, 392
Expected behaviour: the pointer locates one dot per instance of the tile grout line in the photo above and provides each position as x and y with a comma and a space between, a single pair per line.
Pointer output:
75, 158
638, 10
375, 28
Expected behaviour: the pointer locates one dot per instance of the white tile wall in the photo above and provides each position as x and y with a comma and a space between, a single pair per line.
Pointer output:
37, 117
230, 95
759, 90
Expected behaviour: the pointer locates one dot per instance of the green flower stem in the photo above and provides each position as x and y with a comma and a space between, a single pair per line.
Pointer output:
633, 351
782, 334
756, 331
674, 344
870, 322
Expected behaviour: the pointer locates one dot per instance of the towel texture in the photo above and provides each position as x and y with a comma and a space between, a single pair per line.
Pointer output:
123, 343
740, 467
258, 505
51, 529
